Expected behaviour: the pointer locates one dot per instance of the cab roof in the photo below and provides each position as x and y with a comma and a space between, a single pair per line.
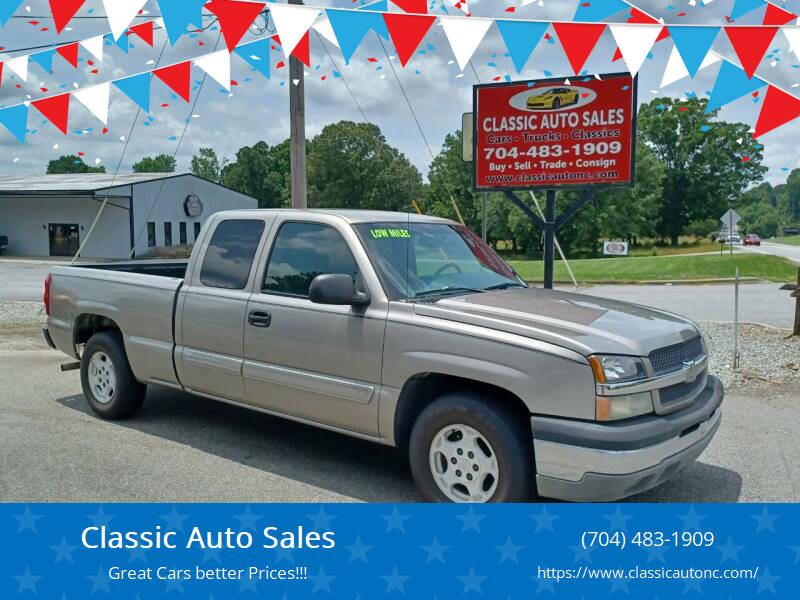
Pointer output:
356, 216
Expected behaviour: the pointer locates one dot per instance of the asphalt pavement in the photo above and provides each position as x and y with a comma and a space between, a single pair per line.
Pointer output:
22, 282
784, 250
185, 448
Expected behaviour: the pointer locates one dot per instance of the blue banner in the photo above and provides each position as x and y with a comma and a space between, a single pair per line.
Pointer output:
420, 551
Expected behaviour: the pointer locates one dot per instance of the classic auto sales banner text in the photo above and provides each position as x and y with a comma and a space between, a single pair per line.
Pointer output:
419, 551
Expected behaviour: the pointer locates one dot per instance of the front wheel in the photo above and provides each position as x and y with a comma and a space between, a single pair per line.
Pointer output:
470, 448
107, 380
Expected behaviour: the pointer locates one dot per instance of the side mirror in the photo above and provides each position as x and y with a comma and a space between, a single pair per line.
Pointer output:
336, 289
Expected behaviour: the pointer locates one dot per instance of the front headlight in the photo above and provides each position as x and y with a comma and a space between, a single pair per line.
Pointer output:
616, 369
611, 408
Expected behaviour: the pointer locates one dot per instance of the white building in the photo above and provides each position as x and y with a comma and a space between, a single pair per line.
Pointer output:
51, 215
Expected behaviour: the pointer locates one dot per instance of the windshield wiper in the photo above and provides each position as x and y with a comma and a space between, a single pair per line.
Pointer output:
447, 290
505, 286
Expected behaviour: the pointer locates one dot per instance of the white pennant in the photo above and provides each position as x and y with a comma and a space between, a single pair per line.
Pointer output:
635, 42
464, 36
325, 29
19, 65
464, 7
94, 46
793, 37
120, 13
95, 98
676, 69
218, 65
292, 22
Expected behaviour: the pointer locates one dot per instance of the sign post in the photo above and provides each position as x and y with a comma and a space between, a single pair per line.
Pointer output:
554, 134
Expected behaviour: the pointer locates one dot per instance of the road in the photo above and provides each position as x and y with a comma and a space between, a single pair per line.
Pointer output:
183, 448
22, 282
784, 250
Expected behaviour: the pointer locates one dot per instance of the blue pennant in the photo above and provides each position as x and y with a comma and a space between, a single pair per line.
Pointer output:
350, 28
597, 10
380, 5
179, 14
137, 88
731, 84
7, 10
693, 43
742, 7
521, 38
15, 119
44, 60
256, 54
122, 42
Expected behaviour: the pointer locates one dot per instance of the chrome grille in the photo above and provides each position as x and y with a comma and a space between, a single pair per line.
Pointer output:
681, 391
671, 358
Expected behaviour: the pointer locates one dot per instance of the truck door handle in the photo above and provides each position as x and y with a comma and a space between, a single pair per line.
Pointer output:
259, 318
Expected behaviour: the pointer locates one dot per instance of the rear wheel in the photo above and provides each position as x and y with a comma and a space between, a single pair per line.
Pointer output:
556, 103
469, 448
107, 380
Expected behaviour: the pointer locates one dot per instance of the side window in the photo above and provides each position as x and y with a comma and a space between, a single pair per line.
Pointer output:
168, 234
196, 230
230, 253
151, 234
301, 252
182, 233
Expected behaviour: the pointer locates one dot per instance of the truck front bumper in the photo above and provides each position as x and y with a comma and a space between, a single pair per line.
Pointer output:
601, 462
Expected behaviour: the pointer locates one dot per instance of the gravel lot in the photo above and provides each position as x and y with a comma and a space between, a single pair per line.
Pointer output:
20, 314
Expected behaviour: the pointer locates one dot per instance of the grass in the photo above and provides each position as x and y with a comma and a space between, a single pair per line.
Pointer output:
793, 240
682, 249
653, 268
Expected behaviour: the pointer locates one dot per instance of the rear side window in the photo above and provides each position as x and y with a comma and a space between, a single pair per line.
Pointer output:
230, 253
301, 252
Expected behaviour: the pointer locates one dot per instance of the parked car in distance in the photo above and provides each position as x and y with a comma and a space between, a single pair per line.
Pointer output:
404, 330
730, 239
787, 231
752, 239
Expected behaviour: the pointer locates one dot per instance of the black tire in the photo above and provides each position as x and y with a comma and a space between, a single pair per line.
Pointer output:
509, 436
126, 394
556, 103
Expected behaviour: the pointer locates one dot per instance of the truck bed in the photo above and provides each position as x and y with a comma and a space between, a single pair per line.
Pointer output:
159, 268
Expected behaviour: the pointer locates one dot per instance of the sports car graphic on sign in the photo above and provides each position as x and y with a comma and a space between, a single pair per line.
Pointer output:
553, 98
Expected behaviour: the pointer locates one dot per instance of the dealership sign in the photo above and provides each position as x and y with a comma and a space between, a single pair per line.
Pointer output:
555, 133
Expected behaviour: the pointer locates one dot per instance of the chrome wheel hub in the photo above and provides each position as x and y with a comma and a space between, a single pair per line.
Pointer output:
463, 464
102, 377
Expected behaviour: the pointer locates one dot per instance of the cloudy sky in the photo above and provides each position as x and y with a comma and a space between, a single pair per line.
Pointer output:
257, 109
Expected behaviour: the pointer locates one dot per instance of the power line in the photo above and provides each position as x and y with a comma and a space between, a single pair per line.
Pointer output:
335, 66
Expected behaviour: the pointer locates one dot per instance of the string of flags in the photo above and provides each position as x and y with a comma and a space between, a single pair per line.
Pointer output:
347, 28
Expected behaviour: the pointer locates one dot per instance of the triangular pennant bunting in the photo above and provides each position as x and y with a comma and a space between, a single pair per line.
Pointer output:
412, 6
145, 32
324, 28
15, 119
777, 16
778, 108
793, 37
94, 46
7, 9
256, 54
218, 66
598, 10
303, 50
178, 78
63, 11
19, 66
520, 38
292, 22
750, 44
731, 84
121, 42
676, 70
235, 18
407, 32
637, 16
44, 60
179, 14
55, 109
742, 7
464, 36
578, 41
350, 27
95, 99
120, 13
137, 88
634, 42
69, 53
693, 44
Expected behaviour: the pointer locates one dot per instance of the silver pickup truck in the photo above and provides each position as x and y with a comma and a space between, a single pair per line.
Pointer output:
405, 330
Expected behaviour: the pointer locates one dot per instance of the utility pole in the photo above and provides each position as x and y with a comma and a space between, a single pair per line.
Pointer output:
297, 127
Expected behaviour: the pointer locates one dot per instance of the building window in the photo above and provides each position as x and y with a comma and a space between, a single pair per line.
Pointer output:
182, 233
196, 231
151, 234
168, 234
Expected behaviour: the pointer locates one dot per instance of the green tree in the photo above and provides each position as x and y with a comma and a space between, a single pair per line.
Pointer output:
163, 163
789, 204
706, 167
763, 219
205, 164
261, 171
350, 165
450, 179
71, 164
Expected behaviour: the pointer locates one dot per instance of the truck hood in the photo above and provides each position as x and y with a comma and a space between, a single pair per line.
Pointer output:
582, 323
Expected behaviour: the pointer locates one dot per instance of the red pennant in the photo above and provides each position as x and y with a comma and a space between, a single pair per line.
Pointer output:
63, 11
412, 6
663, 34
777, 16
778, 108
751, 44
55, 109
144, 31
1, 74
69, 53
301, 51
638, 16
578, 41
178, 78
235, 18
617, 55
407, 32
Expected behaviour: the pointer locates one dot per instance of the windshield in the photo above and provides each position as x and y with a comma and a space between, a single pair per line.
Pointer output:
426, 259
